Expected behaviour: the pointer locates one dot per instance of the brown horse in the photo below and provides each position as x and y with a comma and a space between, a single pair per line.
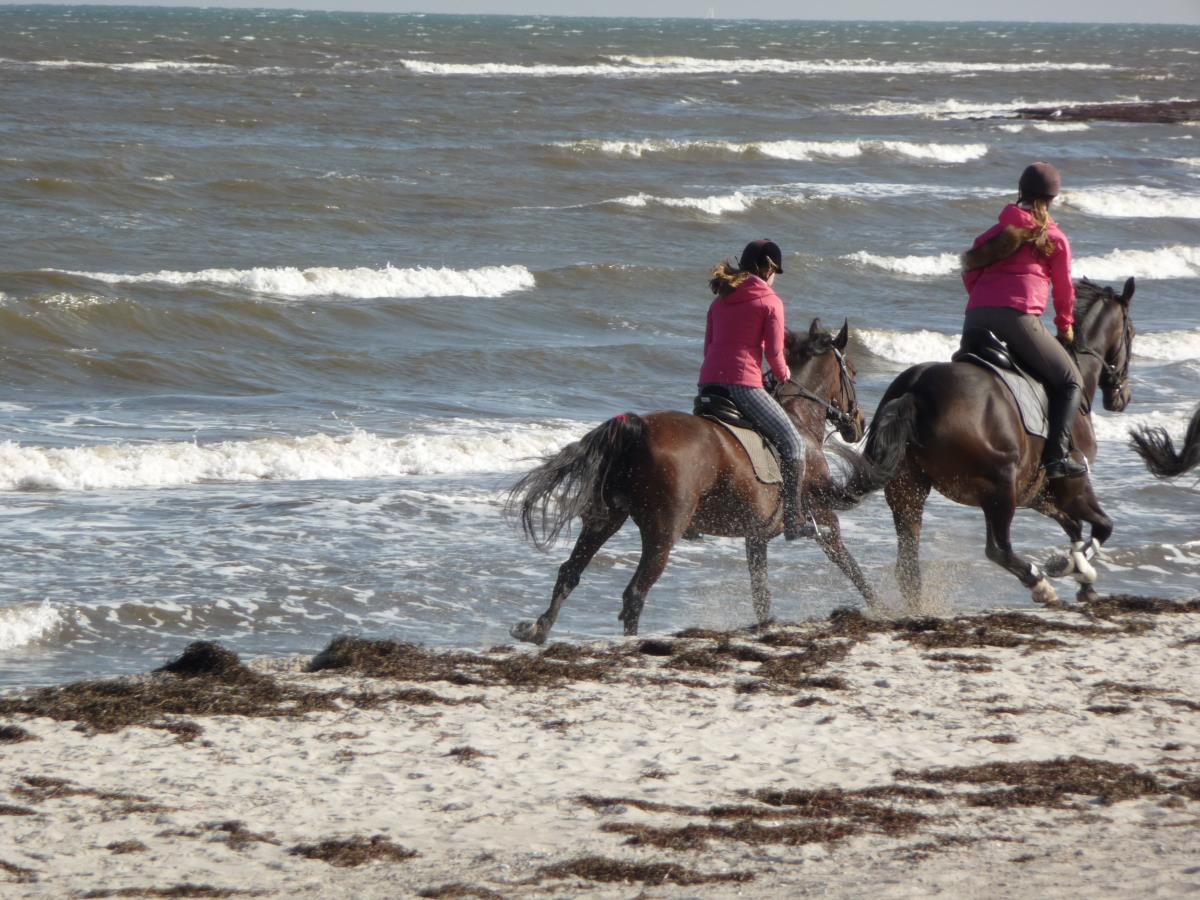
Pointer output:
671, 472
1154, 445
954, 427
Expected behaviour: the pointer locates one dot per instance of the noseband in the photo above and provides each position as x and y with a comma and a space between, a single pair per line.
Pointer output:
836, 417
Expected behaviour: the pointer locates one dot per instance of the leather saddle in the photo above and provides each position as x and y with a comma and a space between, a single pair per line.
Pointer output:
982, 348
713, 402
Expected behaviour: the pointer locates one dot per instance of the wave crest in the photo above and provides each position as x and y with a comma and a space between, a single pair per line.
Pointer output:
457, 447
359, 283
24, 625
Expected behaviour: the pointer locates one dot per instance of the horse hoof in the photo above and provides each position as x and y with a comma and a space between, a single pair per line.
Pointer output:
1060, 566
1043, 593
528, 632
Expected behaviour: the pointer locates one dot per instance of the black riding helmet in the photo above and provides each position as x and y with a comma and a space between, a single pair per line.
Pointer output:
757, 253
1039, 181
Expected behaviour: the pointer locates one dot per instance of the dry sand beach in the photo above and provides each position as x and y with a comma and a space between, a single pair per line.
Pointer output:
1047, 754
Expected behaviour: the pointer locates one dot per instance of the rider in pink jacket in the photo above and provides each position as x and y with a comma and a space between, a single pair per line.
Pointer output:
742, 327
1009, 273
1024, 280
745, 323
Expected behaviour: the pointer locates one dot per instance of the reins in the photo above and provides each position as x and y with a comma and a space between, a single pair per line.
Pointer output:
1117, 379
836, 417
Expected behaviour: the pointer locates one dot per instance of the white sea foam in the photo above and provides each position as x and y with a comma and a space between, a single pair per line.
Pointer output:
147, 65
952, 108
26, 624
652, 66
1168, 346
1114, 427
800, 151
908, 347
360, 283
714, 206
1046, 126
1176, 261
941, 264
1133, 202
797, 194
455, 447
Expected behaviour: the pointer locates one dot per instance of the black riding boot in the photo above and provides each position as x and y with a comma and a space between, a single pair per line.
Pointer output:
795, 515
1056, 458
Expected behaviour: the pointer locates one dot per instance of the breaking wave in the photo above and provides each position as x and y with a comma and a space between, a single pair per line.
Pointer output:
456, 447
798, 151
24, 625
653, 66
359, 283
1133, 203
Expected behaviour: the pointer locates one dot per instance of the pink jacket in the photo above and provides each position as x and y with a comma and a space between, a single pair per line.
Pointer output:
1023, 280
742, 327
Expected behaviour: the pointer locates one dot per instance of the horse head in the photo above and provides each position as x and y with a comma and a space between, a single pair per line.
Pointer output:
1105, 331
821, 373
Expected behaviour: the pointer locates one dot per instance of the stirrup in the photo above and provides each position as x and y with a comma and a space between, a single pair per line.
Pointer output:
1064, 467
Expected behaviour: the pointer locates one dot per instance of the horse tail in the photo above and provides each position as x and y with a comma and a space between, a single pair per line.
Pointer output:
892, 430
569, 483
859, 477
1154, 446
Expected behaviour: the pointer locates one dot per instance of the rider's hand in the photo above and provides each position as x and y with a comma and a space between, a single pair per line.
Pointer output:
1067, 338
769, 382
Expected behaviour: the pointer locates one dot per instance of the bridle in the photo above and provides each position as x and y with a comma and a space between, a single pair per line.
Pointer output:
1112, 379
836, 416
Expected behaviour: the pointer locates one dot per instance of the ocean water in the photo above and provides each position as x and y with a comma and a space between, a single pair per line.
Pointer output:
289, 300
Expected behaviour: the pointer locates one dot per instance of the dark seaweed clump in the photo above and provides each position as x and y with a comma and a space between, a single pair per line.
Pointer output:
354, 851
598, 868
1046, 783
14, 734
175, 890
207, 680
557, 664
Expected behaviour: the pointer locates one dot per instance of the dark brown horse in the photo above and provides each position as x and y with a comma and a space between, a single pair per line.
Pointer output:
671, 472
954, 427
1154, 445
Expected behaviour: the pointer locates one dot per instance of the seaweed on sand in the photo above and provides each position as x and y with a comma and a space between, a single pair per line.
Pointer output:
458, 889
14, 734
801, 817
175, 890
1045, 782
599, 868
410, 662
354, 851
1128, 604
207, 680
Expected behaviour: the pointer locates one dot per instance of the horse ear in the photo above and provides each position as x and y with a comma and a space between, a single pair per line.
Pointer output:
1127, 294
843, 336
789, 343
815, 328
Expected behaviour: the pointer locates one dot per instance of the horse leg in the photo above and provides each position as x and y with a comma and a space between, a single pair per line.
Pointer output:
829, 536
595, 532
756, 559
906, 495
998, 512
1077, 501
656, 550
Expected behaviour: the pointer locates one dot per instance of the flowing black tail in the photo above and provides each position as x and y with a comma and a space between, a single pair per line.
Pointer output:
892, 430
571, 481
1154, 445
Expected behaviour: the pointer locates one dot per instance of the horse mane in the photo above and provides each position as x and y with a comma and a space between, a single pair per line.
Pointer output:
1090, 296
807, 344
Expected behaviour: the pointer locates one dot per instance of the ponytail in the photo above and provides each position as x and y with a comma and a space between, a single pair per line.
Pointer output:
726, 278
1039, 234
